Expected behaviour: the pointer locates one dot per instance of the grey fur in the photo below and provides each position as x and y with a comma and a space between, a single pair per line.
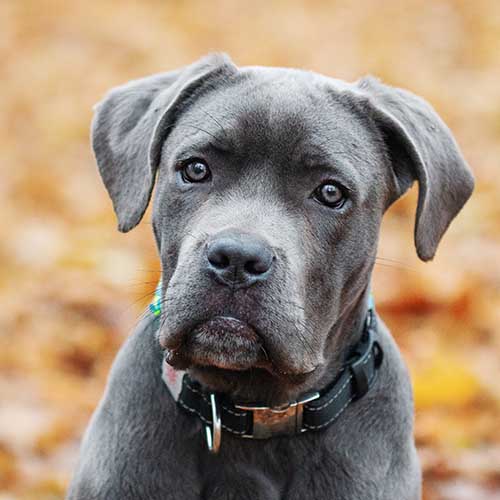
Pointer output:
270, 136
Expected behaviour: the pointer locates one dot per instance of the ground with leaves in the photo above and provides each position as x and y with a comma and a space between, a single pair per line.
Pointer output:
71, 287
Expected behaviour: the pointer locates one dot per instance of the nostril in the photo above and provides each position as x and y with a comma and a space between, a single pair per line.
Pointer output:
256, 267
218, 259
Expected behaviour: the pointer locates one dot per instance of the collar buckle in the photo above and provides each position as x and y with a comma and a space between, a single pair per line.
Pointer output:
277, 421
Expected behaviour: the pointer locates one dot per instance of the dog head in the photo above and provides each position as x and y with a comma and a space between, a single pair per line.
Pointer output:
270, 189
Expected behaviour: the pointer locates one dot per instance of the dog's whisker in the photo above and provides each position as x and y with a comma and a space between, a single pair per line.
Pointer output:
216, 121
394, 264
140, 282
389, 260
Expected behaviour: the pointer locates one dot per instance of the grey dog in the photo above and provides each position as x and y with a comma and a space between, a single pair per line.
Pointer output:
271, 185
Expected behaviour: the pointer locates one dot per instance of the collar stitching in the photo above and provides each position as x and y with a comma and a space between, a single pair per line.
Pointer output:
333, 398
337, 394
324, 424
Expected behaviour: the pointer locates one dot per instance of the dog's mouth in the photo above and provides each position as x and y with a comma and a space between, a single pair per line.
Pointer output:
223, 343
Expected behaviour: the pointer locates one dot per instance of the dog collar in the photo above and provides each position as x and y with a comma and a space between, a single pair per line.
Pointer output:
312, 411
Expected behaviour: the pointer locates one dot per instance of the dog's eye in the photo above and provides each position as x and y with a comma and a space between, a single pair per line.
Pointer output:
330, 194
195, 171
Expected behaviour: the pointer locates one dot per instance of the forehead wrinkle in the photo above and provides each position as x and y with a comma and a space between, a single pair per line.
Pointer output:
192, 138
198, 122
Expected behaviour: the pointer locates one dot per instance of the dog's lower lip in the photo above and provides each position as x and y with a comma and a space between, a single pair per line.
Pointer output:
221, 324
221, 342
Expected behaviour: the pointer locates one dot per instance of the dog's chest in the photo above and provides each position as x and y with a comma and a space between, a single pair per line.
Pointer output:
276, 471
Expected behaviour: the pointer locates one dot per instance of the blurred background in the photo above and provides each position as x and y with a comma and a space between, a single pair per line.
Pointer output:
72, 287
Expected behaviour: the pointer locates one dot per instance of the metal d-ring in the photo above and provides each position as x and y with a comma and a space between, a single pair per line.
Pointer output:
213, 433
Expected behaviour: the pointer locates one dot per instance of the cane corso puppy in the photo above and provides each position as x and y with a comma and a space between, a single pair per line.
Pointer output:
271, 185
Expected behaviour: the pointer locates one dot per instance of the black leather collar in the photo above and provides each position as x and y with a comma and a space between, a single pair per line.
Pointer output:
311, 412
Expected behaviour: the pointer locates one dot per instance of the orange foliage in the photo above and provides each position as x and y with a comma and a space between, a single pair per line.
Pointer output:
71, 287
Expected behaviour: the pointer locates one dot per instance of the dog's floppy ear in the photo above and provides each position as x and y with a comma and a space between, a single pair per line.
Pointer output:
131, 124
421, 148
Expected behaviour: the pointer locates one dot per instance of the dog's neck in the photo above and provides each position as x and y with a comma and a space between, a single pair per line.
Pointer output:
345, 333
348, 329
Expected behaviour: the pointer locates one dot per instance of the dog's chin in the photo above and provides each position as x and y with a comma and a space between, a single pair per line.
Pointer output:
228, 355
222, 343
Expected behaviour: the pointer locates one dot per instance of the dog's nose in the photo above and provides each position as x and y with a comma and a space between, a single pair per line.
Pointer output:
241, 259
